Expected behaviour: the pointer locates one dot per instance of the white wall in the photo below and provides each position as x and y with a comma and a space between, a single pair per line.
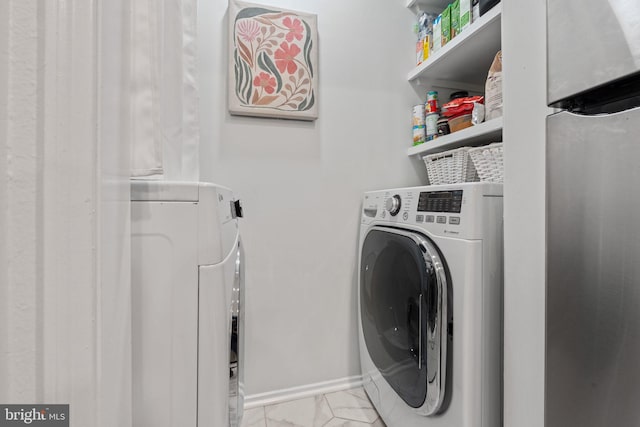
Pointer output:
19, 260
4, 92
64, 289
301, 183
525, 71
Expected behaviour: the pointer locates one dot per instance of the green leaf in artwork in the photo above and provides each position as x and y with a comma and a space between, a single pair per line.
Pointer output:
267, 65
308, 57
242, 83
236, 72
248, 86
311, 102
308, 44
307, 103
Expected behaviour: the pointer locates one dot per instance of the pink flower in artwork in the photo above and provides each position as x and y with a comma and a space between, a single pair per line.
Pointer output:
248, 30
284, 57
295, 29
265, 81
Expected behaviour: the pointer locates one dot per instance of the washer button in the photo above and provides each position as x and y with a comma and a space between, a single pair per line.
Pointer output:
430, 218
405, 216
441, 220
419, 218
455, 220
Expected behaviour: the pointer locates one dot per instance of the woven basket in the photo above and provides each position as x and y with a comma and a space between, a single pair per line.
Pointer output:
488, 161
450, 167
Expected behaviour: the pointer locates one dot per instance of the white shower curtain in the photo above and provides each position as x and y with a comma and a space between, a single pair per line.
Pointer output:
164, 97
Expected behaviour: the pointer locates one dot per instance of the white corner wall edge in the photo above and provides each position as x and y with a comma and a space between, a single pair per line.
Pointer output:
525, 111
300, 392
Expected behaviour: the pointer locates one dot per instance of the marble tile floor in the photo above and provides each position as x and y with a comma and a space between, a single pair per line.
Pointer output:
348, 408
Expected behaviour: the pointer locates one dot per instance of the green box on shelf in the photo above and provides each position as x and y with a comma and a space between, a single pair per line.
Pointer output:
446, 25
465, 14
455, 18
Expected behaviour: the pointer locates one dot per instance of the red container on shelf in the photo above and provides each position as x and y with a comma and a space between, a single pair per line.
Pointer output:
460, 107
431, 106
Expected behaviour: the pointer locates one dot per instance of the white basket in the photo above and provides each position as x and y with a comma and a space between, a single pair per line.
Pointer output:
450, 167
488, 161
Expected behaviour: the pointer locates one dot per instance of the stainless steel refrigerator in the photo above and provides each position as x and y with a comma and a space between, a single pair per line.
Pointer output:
592, 367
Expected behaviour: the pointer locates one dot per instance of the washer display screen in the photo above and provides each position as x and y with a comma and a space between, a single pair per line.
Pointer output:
440, 201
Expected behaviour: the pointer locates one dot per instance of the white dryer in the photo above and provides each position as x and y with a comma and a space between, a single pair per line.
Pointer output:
430, 304
187, 318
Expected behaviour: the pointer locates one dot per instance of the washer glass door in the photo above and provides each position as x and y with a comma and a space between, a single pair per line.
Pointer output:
403, 303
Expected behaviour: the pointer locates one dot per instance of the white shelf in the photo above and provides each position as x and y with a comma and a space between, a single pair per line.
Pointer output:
463, 63
481, 134
434, 6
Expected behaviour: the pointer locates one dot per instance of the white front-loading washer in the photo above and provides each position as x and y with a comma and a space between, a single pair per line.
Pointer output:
430, 304
187, 297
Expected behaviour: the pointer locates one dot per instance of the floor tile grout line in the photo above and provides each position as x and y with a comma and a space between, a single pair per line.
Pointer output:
359, 399
264, 416
333, 415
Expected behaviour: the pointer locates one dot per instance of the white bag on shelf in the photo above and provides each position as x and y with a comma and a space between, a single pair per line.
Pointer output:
493, 89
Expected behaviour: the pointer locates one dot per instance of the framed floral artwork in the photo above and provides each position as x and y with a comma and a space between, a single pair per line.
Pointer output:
273, 62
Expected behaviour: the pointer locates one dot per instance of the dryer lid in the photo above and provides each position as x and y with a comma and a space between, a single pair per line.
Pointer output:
170, 191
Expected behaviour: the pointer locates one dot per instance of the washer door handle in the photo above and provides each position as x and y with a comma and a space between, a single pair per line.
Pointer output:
436, 324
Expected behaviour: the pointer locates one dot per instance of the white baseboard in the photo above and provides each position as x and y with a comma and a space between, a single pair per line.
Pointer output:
299, 392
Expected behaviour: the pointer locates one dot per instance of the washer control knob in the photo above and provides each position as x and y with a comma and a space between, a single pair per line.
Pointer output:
393, 205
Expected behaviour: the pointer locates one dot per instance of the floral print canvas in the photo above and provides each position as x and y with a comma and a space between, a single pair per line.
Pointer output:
273, 62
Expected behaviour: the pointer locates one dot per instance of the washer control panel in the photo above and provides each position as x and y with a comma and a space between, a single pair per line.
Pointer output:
440, 201
456, 210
